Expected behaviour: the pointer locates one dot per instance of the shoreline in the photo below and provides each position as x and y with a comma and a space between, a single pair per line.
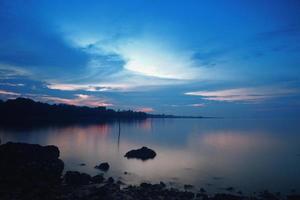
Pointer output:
29, 171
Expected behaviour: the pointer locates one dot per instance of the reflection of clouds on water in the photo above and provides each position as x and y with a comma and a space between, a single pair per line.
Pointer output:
188, 151
146, 124
235, 141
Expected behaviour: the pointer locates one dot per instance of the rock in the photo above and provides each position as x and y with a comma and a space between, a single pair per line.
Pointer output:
143, 153
227, 197
202, 190
202, 196
145, 185
103, 166
29, 164
188, 187
82, 164
162, 184
267, 195
119, 182
229, 189
110, 180
98, 178
77, 178
293, 197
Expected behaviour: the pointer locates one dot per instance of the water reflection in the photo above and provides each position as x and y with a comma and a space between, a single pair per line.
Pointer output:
248, 155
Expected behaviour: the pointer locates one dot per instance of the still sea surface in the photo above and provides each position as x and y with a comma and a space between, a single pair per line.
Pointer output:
248, 155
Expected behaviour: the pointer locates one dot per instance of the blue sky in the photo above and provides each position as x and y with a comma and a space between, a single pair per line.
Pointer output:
213, 58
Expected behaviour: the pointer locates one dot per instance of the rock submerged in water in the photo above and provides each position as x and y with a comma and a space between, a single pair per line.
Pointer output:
103, 166
143, 153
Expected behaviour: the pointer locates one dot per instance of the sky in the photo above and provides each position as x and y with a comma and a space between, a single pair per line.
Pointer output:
223, 58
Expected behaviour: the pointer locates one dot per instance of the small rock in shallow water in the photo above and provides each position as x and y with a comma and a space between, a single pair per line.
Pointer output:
103, 166
82, 164
143, 153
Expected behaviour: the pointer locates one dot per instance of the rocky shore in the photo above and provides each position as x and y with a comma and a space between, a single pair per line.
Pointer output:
34, 172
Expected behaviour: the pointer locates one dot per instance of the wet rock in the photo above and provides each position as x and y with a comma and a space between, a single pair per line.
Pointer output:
202, 190
119, 182
103, 166
188, 186
227, 197
110, 180
77, 178
143, 153
29, 164
82, 164
267, 195
162, 184
293, 197
97, 179
229, 189
202, 196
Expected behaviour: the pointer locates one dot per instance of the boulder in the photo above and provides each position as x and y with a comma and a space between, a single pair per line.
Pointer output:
103, 166
143, 153
29, 164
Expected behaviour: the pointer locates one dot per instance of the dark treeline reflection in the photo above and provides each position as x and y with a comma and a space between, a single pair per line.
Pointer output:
23, 111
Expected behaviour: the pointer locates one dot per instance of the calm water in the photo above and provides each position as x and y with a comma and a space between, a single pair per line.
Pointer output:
249, 155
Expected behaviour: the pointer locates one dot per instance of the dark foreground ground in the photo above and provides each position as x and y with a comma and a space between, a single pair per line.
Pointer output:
34, 172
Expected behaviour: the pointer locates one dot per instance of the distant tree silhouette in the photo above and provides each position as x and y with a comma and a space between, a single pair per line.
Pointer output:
23, 110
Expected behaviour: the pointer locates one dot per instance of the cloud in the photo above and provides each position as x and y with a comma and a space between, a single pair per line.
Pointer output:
144, 56
145, 109
13, 84
8, 71
79, 100
244, 94
119, 82
199, 105
154, 58
30, 42
87, 87
8, 93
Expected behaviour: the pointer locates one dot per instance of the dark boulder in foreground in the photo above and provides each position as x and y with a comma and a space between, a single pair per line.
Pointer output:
29, 164
103, 166
143, 153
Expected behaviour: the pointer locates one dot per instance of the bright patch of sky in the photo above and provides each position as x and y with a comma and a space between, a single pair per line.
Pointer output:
214, 58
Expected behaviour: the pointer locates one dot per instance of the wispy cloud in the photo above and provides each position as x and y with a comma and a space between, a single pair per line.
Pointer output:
8, 93
9, 71
13, 84
79, 100
199, 105
144, 109
243, 94
87, 87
